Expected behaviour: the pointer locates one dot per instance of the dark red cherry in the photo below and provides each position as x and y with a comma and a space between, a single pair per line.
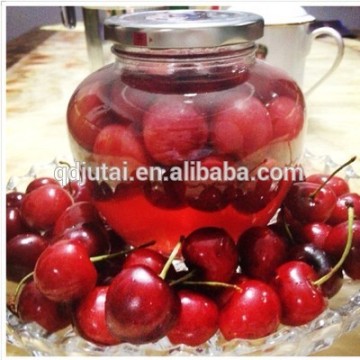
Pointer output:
33, 306
89, 318
22, 252
336, 183
145, 257
140, 307
197, 322
301, 300
352, 262
43, 206
14, 199
313, 233
174, 130
321, 262
340, 212
15, 223
80, 190
336, 240
64, 272
287, 117
252, 312
261, 251
307, 208
36, 183
233, 130
213, 252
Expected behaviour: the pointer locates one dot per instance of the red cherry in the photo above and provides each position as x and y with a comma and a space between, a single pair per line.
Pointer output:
14, 199
197, 322
261, 251
352, 262
287, 117
119, 145
140, 307
35, 184
77, 214
233, 130
212, 251
64, 272
80, 191
313, 233
252, 312
336, 240
44, 205
89, 318
301, 300
33, 306
15, 223
145, 257
92, 235
307, 208
340, 212
22, 252
336, 183
174, 130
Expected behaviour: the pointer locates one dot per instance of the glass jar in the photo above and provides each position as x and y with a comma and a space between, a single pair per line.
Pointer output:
186, 95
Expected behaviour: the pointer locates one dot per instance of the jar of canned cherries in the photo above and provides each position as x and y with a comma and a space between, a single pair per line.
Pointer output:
187, 98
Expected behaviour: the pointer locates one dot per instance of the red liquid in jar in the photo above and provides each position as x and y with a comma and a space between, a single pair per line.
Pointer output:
253, 118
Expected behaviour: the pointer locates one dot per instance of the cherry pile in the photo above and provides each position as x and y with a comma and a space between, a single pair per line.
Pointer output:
73, 269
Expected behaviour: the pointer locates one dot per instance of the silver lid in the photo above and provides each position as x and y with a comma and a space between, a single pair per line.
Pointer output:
184, 28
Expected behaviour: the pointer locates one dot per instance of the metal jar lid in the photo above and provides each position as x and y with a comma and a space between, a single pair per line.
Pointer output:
184, 29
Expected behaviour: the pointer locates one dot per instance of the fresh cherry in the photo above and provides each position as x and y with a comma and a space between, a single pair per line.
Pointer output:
15, 223
174, 130
80, 190
22, 252
197, 322
14, 199
313, 233
301, 300
41, 181
64, 272
336, 183
140, 306
261, 251
33, 306
252, 312
89, 318
44, 205
213, 252
340, 212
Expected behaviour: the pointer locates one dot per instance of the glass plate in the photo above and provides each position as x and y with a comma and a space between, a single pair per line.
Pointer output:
342, 315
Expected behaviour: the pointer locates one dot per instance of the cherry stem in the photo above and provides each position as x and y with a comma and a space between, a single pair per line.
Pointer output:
183, 278
19, 287
171, 258
63, 162
95, 259
345, 253
213, 283
312, 195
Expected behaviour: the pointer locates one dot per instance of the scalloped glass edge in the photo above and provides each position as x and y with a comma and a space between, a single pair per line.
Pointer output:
342, 315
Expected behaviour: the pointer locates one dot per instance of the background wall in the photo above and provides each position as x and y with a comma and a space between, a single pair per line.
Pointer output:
20, 19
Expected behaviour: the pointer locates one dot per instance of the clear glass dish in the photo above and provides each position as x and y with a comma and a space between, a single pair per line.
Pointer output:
342, 315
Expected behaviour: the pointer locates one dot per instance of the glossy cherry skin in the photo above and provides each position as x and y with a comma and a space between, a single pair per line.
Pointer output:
22, 252
307, 209
321, 262
44, 205
15, 223
33, 306
340, 212
336, 183
145, 257
41, 181
174, 130
313, 233
198, 319
64, 272
287, 116
213, 252
352, 263
301, 301
336, 240
261, 251
80, 191
92, 235
252, 312
14, 199
140, 307
77, 214
89, 318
